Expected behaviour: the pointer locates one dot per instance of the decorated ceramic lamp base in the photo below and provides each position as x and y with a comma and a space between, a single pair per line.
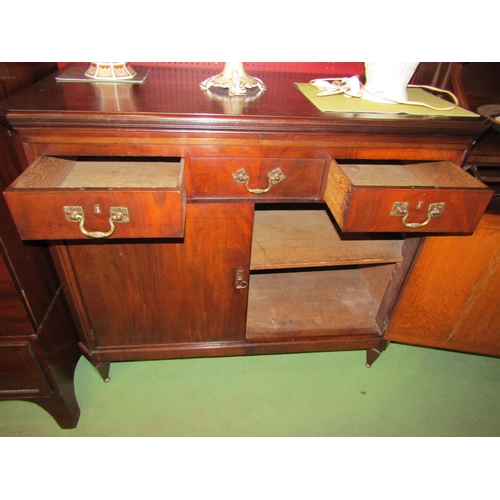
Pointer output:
110, 71
235, 79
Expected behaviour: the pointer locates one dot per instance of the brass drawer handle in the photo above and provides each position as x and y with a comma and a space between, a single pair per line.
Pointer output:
116, 214
400, 209
275, 176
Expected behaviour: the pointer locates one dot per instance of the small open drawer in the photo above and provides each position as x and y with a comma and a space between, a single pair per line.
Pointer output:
423, 197
58, 198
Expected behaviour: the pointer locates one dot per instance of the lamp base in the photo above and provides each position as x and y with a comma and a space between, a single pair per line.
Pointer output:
235, 79
387, 82
110, 71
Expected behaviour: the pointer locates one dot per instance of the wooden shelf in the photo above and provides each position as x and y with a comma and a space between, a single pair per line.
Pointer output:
310, 304
486, 175
308, 238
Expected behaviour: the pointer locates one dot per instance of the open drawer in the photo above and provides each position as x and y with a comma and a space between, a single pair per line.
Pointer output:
57, 198
423, 197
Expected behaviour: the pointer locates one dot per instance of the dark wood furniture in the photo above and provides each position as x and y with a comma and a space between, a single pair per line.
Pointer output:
481, 82
274, 233
38, 339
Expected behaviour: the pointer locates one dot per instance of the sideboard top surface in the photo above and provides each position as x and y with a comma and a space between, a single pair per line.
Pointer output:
171, 99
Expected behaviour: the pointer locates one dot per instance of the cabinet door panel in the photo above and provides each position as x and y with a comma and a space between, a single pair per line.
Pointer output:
451, 299
171, 291
119, 291
198, 276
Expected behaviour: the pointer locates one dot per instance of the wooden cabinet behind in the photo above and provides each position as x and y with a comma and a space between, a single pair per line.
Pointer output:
38, 339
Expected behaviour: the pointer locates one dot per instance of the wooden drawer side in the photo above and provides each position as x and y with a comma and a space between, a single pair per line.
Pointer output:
338, 193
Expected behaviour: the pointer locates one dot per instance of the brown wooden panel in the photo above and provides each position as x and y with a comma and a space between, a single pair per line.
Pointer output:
213, 177
246, 347
451, 297
118, 286
479, 325
197, 277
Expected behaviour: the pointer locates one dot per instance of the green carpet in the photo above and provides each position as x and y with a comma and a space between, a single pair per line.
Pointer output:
409, 391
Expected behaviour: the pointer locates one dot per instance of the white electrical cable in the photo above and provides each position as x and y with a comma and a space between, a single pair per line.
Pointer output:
351, 87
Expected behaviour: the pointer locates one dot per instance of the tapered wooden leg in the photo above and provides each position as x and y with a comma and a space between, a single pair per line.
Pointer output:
57, 345
374, 353
63, 407
103, 368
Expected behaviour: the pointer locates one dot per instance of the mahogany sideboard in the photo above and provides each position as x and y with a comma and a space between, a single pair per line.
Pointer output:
184, 223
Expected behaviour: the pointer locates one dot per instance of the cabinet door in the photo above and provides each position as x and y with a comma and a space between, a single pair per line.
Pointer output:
143, 294
451, 298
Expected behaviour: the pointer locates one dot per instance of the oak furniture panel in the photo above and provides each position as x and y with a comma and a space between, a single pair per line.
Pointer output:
458, 293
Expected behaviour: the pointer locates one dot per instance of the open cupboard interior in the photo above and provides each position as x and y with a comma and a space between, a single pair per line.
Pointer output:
307, 279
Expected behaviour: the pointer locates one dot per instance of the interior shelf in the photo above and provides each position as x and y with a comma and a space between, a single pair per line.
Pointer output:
310, 280
310, 304
309, 238
488, 174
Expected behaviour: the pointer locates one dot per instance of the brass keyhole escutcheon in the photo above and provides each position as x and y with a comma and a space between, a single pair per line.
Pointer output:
240, 283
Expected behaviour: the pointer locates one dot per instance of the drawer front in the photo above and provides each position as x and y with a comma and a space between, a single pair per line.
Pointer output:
100, 200
259, 179
431, 198
20, 374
